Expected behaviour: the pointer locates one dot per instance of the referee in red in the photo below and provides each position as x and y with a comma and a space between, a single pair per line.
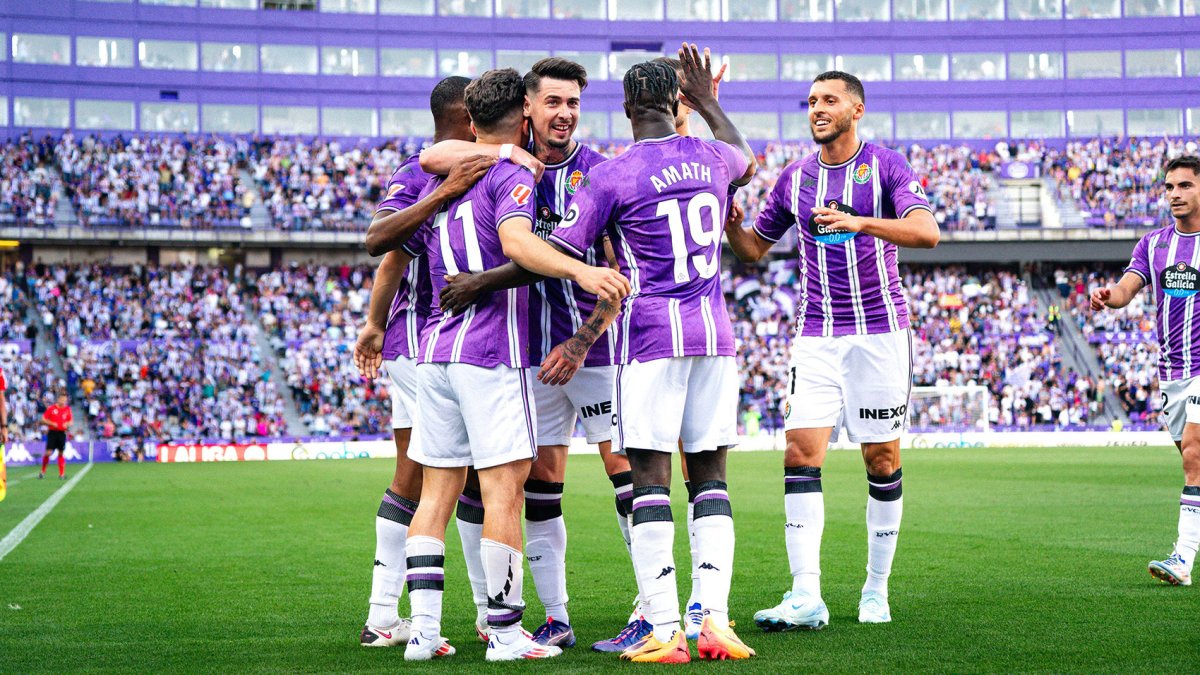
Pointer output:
57, 420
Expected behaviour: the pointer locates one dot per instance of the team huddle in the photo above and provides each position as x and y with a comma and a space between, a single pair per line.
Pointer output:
509, 246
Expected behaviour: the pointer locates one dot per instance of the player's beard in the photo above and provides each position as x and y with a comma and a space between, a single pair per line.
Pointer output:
834, 131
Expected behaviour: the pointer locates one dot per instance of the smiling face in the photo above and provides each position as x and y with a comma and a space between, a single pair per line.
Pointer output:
832, 110
553, 111
1183, 193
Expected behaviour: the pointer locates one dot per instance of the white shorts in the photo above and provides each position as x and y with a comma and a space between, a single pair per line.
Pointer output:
860, 381
402, 385
588, 395
1180, 404
473, 416
691, 398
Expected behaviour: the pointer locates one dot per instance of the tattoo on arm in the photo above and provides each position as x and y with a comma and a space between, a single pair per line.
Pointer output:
583, 339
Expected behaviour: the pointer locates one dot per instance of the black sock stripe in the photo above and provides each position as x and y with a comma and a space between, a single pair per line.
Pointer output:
712, 507
884, 480
651, 490
1191, 490
691, 492
543, 486
876, 490
469, 512
426, 584
805, 471
542, 512
389, 511
621, 479
473, 493
620, 505
652, 514
710, 485
424, 561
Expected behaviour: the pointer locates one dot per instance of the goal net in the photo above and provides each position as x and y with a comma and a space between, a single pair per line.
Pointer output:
949, 408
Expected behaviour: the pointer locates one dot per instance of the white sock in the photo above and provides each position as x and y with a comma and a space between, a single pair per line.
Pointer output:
885, 506
388, 574
546, 546
804, 508
1189, 524
505, 576
694, 595
469, 519
623, 498
714, 546
653, 559
426, 580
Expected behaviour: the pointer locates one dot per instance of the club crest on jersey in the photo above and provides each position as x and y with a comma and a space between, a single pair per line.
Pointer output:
521, 194
573, 181
862, 174
827, 235
1180, 280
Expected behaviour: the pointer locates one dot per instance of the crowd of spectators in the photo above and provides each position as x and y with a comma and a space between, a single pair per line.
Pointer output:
31, 381
28, 183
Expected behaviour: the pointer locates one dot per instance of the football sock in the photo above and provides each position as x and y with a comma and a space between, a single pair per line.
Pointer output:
885, 505
62, 464
623, 499
469, 518
804, 508
45, 461
426, 562
1189, 524
694, 594
653, 559
388, 575
505, 574
714, 544
546, 545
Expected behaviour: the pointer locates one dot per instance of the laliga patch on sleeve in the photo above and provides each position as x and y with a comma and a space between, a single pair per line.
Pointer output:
520, 194
396, 187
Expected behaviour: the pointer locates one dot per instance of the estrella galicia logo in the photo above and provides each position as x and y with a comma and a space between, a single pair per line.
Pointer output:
546, 222
1180, 280
826, 235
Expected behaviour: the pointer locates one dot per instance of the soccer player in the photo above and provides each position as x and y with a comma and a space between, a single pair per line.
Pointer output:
678, 376
853, 204
390, 338
57, 420
473, 399
1168, 259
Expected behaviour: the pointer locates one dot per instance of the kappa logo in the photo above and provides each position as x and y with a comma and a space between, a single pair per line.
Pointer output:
882, 413
521, 194
379, 564
665, 571
808, 182
896, 425
573, 181
708, 566
862, 174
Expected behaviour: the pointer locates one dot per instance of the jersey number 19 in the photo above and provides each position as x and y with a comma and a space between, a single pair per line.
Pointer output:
704, 238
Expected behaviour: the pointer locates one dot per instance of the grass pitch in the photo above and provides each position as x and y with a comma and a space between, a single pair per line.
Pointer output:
1009, 560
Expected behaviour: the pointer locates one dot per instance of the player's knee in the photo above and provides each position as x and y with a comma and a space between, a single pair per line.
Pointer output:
551, 464
649, 467
882, 465
797, 453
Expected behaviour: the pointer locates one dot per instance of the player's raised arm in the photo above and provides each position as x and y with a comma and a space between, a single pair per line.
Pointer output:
368, 349
1117, 295
391, 228
698, 93
441, 158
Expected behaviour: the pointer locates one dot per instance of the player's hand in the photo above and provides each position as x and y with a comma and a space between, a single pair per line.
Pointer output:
368, 351
736, 216
605, 283
461, 291
463, 176
1099, 298
717, 81
523, 158
697, 87
4, 434
837, 220
562, 362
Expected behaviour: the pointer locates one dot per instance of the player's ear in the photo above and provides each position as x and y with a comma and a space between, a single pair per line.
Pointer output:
473, 131
675, 107
859, 110
525, 109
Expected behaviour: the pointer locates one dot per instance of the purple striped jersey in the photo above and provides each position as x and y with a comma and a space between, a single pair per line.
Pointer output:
464, 237
849, 282
558, 307
662, 204
410, 307
1167, 261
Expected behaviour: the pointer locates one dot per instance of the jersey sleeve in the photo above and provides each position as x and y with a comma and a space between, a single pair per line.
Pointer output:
1139, 264
903, 187
404, 189
513, 194
734, 159
776, 217
586, 220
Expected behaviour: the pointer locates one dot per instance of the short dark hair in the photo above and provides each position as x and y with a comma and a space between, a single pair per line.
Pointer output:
447, 93
494, 96
555, 68
652, 85
853, 84
1186, 162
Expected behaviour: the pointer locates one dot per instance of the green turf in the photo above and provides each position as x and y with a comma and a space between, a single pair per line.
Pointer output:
1009, 560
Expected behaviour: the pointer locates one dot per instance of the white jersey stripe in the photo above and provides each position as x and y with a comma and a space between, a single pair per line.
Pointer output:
676, 327
442, 222
802, 310
542, 292
635, 282
433, 337
710, 326
851, 250
1166, 315
1187, 324
822, 263
515, 353
456, 349
885, 279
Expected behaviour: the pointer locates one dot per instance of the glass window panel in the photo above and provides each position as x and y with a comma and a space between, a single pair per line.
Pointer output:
418, 7
1193, 121
980, 124
639, 10
521, 60
867, 67
36, 48
619, 62
289, 120
1192, 60
987, 66
348, 121
876, 126
976, 10
919, 10
620, 128
1153, 122
41, 112
1035, 66
348, 6
93, 114
922, 125
1152, 63
3, 111
466, 62
1082, 65
592, 126
862, 10
762, 126
3, 46
167, 54
752, 67
289, 59
465, 7
694, 10
1036, 123
803, 67
408, 62
354, 61
1151, 7
169, 117
529, 9
406, 123
1093, 9
1091, 123
596, 63
230, 4
750, 10
1034, 9
806, 10
104, 52
218, 118
229, 57
922, 67
1191, 7
578, 9
169, 3
795, 127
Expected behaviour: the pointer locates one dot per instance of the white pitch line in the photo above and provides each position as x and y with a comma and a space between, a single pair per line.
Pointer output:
23, 528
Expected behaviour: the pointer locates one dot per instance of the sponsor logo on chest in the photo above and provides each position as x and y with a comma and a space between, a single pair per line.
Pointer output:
1180, 280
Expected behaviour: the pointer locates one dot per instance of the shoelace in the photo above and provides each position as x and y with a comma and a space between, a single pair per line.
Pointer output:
629, 631
543, 630
1175, 559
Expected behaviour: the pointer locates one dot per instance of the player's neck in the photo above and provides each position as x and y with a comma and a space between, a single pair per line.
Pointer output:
684, 129
658, 128
1189, 225
548, 154
499, 138
840, 150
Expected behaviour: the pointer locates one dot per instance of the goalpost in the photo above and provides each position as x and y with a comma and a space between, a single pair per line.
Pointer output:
949, 408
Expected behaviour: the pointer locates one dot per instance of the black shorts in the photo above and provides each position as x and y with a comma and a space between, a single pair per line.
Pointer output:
56, 441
